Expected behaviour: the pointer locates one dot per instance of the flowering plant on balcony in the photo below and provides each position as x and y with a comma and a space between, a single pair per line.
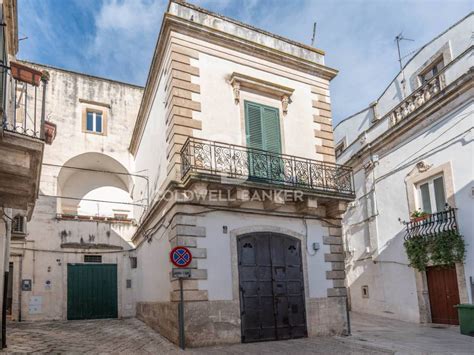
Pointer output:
418, 215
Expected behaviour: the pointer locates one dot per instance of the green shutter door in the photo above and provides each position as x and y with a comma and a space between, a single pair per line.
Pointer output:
271, 129
91, 291
263, 127
263, 132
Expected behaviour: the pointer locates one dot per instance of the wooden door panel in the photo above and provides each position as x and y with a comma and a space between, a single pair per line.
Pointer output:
444, 294
271, 287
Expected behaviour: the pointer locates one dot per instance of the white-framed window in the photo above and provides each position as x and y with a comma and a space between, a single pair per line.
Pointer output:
431, 195
94, 122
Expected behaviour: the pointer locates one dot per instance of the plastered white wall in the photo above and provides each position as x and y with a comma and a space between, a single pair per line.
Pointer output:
218, 261
391, 282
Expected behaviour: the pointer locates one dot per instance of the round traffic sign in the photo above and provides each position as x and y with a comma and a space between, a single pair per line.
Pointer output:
181, 256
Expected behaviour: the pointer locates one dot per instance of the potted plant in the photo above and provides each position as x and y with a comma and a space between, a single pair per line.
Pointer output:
418, 215
25, 73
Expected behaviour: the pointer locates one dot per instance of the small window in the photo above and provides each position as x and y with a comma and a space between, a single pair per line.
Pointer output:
431, 196
133, 262
129, 283
92, 258
94, 121
19, 224
340, 148
365, 291
431, 71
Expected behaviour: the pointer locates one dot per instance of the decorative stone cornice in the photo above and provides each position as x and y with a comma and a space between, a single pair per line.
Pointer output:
239, 81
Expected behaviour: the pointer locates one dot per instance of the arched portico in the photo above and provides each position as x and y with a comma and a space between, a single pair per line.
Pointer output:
94, 184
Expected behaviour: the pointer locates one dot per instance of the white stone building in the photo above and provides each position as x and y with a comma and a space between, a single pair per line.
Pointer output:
22, 139
77, 244
230, 114
412, 150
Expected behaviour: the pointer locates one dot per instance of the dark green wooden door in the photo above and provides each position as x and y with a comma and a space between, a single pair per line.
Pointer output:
91, 291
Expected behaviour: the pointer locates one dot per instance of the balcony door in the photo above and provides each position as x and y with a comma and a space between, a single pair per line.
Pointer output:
262, 125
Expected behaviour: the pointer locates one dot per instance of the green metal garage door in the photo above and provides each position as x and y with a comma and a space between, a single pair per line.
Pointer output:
91, 291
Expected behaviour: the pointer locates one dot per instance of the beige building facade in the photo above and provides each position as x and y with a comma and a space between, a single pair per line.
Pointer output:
84, 214
235, 130
411, 151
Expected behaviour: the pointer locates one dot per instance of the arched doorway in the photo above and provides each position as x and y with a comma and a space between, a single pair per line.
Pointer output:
272, 297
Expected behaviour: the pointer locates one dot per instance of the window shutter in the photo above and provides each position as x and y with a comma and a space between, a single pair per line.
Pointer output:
439, 193
253, 120
425, 198
271, 127
263, 127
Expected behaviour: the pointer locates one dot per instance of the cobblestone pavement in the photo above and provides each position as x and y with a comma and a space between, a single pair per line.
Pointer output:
127, 336
102, 336
370, 335
409, 338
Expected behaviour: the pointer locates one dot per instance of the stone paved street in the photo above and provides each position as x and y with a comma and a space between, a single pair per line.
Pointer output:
371, 335
409, 338
103, 336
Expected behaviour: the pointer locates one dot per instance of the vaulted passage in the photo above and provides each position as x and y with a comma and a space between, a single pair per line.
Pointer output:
272, 298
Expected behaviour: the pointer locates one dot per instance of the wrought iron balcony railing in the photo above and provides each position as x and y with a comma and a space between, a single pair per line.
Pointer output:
432, 224
260, 166
23, 109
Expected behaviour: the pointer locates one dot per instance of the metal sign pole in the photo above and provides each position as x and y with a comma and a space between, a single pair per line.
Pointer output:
181, 257
181, 315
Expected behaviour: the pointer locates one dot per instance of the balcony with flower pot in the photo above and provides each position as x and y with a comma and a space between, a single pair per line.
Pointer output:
23, 133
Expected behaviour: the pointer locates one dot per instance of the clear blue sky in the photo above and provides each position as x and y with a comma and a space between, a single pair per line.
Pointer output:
116, 38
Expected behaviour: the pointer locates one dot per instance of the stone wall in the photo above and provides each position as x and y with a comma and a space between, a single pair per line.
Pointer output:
210, 323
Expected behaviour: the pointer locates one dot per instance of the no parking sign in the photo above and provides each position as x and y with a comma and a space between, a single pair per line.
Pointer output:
181, 256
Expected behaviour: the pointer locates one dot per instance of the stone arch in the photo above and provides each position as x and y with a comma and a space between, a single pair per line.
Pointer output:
98, 177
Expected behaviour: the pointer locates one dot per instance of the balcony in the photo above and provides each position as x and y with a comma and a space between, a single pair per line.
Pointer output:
23, 131
432, 224
24, 111
226, 162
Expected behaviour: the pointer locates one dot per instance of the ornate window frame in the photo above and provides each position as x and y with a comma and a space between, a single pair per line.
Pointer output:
240, 81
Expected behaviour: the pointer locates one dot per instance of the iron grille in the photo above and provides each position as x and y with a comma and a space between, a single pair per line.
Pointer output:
92, 258
433, 224
256, 165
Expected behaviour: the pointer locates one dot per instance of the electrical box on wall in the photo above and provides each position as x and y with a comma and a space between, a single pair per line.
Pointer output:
316, 246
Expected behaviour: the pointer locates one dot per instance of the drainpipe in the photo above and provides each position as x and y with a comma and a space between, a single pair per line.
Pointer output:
5, 280
19, 287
